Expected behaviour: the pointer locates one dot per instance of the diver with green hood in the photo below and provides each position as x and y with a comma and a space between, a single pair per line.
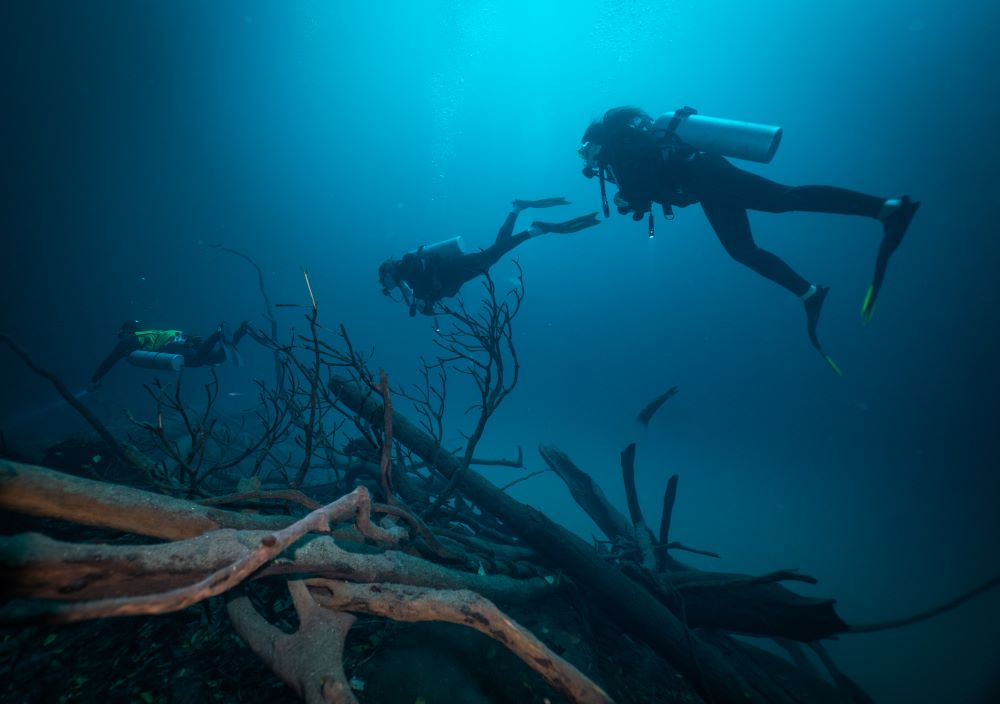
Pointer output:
679, 159
436, 271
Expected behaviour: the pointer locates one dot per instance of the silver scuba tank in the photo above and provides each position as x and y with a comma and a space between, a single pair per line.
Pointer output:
734, 138
156, 360
445, 249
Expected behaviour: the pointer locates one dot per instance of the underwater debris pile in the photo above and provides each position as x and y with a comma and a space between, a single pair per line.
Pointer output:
310, 540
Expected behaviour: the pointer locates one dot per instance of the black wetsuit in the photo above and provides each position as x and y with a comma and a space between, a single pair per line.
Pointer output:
196, 352
726, 192
433, 276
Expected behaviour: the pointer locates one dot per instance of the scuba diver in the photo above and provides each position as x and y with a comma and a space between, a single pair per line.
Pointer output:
170, 349
678, 159
432, 272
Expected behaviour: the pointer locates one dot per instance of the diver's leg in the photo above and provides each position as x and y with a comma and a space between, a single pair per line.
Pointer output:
190, 354
241, 331
507, 229
473, 264
502, 246
209, 342
754, 192
732, 227
210, 351
506, 241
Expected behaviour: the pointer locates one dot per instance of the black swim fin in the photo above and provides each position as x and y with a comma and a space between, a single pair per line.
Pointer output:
233, 356
895, 228
814, 306
574, 225
543, 203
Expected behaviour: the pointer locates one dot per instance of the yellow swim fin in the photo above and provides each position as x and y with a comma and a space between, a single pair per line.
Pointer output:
868, 305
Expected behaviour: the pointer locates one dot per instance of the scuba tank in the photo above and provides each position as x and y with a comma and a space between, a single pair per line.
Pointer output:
452, 248
740, 140
157, 360
445, 249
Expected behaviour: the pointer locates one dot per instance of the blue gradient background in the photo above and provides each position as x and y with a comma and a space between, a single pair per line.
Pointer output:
329, 136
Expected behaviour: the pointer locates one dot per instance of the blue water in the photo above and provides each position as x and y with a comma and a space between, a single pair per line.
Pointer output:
329, 136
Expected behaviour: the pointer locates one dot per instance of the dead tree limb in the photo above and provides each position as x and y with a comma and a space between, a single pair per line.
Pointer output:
587, 494
746, 604
502, 462
929, 613
779, 680
39, 491
289, 495
36, 566
640, 533
312, 374
385, 463
843, 682
669, 497
310, 661
465, 608
268, 308
483, 345
116, 448
357, 504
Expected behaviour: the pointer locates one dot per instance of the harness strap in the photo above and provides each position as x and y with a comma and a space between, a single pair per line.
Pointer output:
604, 194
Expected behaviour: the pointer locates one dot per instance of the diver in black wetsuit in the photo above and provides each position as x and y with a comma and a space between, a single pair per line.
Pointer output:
651, 167
197, 352
433, 272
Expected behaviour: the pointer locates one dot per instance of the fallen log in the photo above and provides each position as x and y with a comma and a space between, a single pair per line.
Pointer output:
39, 491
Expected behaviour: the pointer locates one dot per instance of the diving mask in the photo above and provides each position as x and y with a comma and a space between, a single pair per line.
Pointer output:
588, 151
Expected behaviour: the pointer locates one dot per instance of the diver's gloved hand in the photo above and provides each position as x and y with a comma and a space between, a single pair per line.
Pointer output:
621, 204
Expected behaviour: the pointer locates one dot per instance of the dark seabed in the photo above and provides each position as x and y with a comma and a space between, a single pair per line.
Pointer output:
325, 137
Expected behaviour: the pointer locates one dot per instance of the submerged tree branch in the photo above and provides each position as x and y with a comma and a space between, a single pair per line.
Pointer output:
402, 603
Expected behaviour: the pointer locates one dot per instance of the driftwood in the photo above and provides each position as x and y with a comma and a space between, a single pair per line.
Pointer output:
40, 567
38, 491
465, 608
310, 661
356, 505
68, 582
586, 493
113, 445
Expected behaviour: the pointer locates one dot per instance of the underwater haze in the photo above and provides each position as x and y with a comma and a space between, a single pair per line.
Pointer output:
328, 136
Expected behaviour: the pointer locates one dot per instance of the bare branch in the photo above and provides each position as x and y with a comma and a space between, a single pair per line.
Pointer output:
404, 603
